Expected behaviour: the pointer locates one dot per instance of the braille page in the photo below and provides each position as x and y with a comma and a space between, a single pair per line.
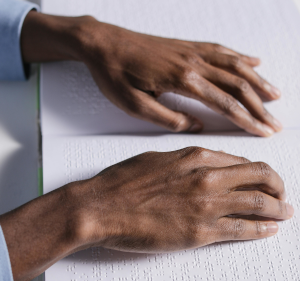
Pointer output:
71, 103
69, 159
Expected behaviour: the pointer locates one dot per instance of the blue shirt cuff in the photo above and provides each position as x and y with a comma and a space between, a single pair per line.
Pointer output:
5, 267
12, 15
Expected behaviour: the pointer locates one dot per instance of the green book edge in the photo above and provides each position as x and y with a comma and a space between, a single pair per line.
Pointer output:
40, 164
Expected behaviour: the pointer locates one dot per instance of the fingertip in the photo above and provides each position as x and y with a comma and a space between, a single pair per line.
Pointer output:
289, 210
252, 61
277, 125
183, 122
255, 61
276, 92
271, 121
196, 128
266, 131
273, 92
196, 125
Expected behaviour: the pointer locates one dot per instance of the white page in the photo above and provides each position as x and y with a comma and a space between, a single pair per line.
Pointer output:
277, 258
269, 29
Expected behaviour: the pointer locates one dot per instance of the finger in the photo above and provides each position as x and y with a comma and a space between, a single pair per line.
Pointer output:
227, 229
257, 203
148, 109
251, 61
243, 92
195, 86
196, 157
236, 65
221, 159
249, 175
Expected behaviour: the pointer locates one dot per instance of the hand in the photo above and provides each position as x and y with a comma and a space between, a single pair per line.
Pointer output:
153, 202
133, 69
160, 202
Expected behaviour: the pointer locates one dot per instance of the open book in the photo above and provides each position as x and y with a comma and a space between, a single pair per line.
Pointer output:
84, 133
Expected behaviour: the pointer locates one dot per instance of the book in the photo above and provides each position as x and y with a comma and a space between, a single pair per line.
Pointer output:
83, 132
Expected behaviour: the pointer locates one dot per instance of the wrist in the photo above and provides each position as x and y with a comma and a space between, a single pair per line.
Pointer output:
93, 38
42, 231
55, 38
87, 226
52, 38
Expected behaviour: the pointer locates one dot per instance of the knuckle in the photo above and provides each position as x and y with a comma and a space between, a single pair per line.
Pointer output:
234, 62
229, 105
258, 201
206, 177
149, 152
196, 152
243, 86
281, 207
239, 228
189, 76
209, 207
191, 149
204, 155
177, 124
244, 160
259, 228
218, 47
190, 58
262, 169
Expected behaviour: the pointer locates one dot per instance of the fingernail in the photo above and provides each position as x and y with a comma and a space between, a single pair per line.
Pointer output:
272, 90
277, 124
195, 128
272, 227
255, 60
289, 209
268, 130
276, 91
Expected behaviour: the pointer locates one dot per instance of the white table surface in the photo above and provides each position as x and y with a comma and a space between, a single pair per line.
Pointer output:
297, 2
19, 141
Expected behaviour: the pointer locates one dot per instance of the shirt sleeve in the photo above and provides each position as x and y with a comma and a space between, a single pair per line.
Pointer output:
12, 15
5, 267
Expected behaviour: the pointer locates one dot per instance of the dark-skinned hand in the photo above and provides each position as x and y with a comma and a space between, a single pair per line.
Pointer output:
153, 202
133, 69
